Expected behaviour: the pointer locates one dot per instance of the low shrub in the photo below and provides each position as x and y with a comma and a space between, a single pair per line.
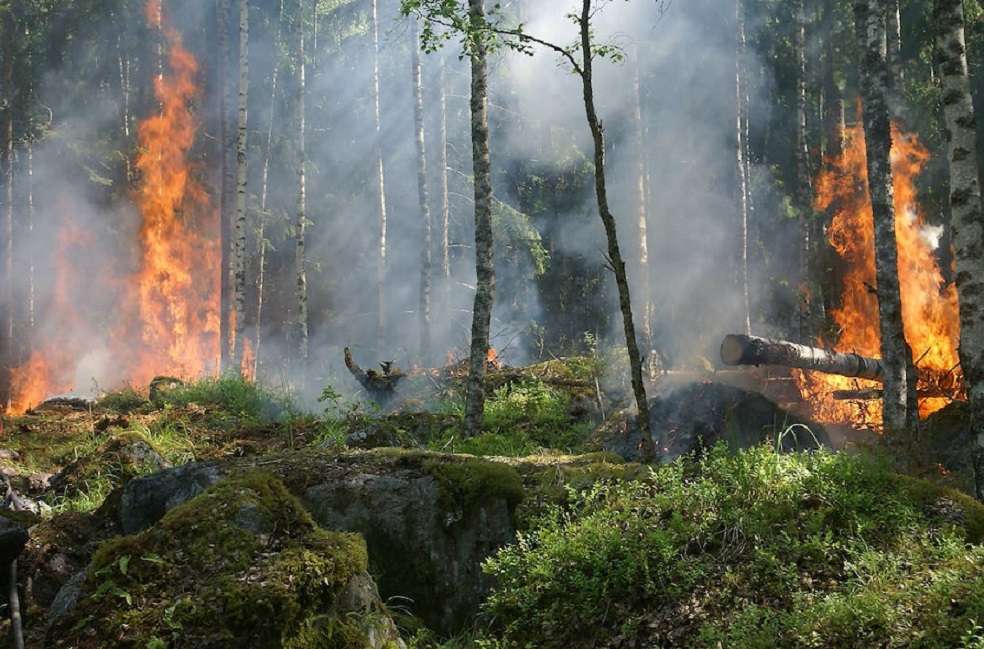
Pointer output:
744, 551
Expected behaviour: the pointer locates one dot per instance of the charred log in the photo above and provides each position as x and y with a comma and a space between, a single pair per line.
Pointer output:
381, 385
751, 350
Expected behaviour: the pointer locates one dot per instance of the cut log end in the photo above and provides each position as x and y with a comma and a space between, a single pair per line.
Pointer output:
732, 349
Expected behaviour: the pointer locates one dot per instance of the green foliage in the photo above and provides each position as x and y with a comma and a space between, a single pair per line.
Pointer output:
233, 396
520, 419
760, 549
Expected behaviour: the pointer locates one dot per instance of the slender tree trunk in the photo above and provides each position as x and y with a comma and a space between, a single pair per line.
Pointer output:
300, 226
380, 172
893, 41
833, 100
967, 216
239, 254
7, 168
264, 195
608, 219
642, 213
225, 189
424, 309
123, 61
875, 88
445, 202
742, 170
804, 190
484, 259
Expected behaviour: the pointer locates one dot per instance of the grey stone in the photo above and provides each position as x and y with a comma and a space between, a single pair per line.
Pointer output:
146, 499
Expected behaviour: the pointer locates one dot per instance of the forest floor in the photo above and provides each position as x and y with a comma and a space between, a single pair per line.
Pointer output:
552, 540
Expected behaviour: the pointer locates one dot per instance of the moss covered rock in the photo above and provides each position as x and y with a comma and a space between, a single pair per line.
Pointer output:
429, 519
240, 565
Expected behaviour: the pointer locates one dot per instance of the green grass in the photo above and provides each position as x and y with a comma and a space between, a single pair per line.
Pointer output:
752, 550
233, 396
124, 401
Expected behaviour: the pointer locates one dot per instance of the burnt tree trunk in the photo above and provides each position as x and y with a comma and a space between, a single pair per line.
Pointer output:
739, 349
876, 84
7, 167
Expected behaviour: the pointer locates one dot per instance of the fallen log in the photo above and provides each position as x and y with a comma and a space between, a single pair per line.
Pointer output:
737, 349
875, 394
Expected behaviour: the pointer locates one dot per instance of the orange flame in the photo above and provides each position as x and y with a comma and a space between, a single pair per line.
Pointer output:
178, 282
929, 305
169, 321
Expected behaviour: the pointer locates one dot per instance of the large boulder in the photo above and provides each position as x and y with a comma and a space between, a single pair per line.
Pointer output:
240, 565
429, 520
690, 417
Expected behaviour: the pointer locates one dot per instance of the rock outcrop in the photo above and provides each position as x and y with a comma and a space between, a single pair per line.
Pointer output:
429, 520
240, 565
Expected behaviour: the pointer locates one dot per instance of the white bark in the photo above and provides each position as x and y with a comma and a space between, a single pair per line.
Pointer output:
239, 253
965, 204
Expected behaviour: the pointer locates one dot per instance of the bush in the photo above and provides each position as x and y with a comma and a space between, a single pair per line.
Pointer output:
746, 551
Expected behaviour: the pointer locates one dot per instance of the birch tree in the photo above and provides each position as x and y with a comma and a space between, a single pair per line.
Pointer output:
426, 265
967, 216
742, 171
264, 197
8, 31
226, 184
300, 223
380, 173
804, 191
899, 406
239, 253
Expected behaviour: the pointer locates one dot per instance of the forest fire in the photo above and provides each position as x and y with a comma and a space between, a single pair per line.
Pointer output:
929, 305
169, 307
178, 304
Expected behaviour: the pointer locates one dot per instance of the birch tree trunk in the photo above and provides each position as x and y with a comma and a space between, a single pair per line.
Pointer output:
424, 308
239, 253
300, 225
967, 216
225, 186
264, 194
804, 191
893, 41
876, 82
7, 168
742, 156
608, 219
484, 259
642, 210
380, 172
833, 113
445, 199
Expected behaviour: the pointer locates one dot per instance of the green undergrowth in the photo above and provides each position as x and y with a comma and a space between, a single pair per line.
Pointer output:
521, 419
747, 550
241, 565
232, 396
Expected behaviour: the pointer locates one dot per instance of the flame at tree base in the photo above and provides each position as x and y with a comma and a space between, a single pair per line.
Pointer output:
166, 313
929, 304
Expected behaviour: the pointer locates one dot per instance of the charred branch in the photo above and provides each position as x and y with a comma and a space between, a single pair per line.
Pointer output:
381, 385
